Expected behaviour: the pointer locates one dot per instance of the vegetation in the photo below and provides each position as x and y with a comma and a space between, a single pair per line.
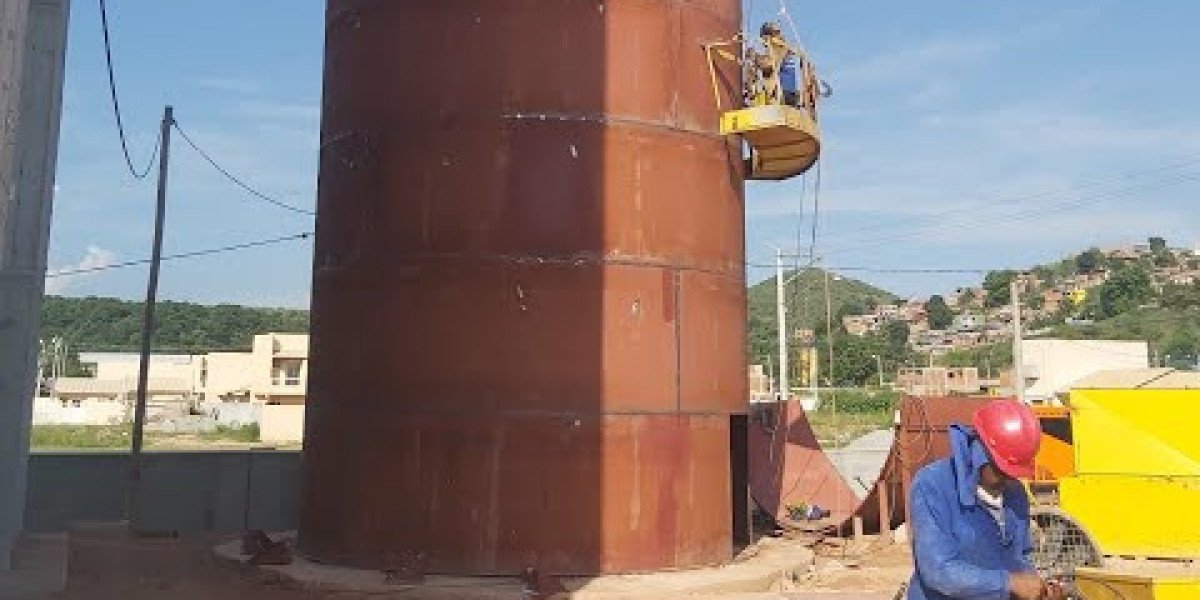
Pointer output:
805, 293
846, 415
117, 437
1127, 289
989, 359
939, 314
997, 285
112, 325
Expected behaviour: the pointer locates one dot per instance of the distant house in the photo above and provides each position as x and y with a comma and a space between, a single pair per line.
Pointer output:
938, 381
266, 386
967, 322
860, 324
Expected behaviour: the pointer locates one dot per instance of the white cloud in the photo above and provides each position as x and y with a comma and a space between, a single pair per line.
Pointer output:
260, 109
230, 85
908, 63
60, 280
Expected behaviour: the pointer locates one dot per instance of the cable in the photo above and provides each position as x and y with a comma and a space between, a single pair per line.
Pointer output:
994, 200
236, 181
182, 255
1022, 215
116, 103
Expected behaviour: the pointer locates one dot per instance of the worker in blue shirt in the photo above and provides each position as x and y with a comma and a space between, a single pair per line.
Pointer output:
970, 513
789, 79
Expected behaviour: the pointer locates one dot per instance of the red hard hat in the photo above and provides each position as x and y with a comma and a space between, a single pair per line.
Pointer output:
1011, 433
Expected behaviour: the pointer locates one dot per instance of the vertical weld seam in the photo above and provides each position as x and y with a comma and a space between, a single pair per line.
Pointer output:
675, 277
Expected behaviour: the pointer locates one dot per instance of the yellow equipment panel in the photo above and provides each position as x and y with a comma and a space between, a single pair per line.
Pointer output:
1097, 584
1137, 459
784, 141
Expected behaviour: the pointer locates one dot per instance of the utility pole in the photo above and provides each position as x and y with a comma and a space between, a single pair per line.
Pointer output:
148, 325
879, 369
781, 317
1014, 289
33, 39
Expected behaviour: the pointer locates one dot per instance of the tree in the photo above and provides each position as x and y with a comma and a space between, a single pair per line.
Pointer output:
996, 283
1089, 261
1036, 301
1180, 297
1127, 289
938, 313
895, 334
1182, 349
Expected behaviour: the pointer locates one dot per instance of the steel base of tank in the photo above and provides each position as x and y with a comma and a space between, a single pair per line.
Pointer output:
774, 563
567, 494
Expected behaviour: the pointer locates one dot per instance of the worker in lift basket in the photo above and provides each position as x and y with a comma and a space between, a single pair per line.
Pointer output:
970, 514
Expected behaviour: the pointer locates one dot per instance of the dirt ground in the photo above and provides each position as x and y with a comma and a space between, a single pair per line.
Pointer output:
111, 566
870, 566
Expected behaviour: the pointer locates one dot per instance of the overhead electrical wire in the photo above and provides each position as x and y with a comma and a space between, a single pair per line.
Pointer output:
1017, 216
996, 200
237, 180
182, 255
116, 103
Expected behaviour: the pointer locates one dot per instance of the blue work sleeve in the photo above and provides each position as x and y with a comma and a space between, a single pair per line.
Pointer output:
939, 565
1026, 539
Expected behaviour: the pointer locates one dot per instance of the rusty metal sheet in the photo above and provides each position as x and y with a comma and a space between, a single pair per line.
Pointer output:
569, 495
712, 343
528, 316
788, 466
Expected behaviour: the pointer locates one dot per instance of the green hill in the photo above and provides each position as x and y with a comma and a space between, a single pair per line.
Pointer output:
806, 302
112, 325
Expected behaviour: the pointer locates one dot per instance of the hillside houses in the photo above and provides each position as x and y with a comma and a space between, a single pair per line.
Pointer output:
1048, 293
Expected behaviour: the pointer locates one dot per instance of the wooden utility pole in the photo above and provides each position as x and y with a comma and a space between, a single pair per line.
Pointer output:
33, 38
148, 325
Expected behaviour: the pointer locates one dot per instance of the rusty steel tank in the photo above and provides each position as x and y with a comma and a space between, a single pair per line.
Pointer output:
528, 315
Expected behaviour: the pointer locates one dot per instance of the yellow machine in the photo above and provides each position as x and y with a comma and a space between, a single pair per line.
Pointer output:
1125, 525
778, 120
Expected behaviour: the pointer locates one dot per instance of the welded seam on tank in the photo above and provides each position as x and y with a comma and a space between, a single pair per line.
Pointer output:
577, 260
352, 15
610, 120
474, 412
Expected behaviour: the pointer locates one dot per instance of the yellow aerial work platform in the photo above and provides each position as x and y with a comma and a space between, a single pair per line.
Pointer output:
784, 141
776, 114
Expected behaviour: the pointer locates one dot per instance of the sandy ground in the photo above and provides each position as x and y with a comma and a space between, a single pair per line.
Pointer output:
110, 566
871, 566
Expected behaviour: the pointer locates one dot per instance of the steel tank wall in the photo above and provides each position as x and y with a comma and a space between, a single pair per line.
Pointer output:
529, 296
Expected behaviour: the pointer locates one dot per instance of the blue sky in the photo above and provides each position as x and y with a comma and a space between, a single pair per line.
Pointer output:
960, 135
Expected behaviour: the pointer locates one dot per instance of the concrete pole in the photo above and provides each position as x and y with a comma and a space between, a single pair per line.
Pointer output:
781, 313
1018, 366
33, 38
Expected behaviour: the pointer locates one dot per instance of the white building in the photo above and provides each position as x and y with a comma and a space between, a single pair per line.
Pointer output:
266, 386
1051, 367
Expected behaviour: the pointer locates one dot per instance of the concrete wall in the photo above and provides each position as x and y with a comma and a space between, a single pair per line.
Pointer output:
188, 492
234, 414
282, 423
50, 411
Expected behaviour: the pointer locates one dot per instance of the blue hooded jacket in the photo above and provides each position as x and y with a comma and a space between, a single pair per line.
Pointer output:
958, 548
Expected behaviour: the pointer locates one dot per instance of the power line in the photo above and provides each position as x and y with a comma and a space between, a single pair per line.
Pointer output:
182, 255
1018, 216
116, 103
236, 180
993, 200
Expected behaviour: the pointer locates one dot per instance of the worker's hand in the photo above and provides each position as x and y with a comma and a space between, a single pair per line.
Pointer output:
1054, 591
1027, 586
